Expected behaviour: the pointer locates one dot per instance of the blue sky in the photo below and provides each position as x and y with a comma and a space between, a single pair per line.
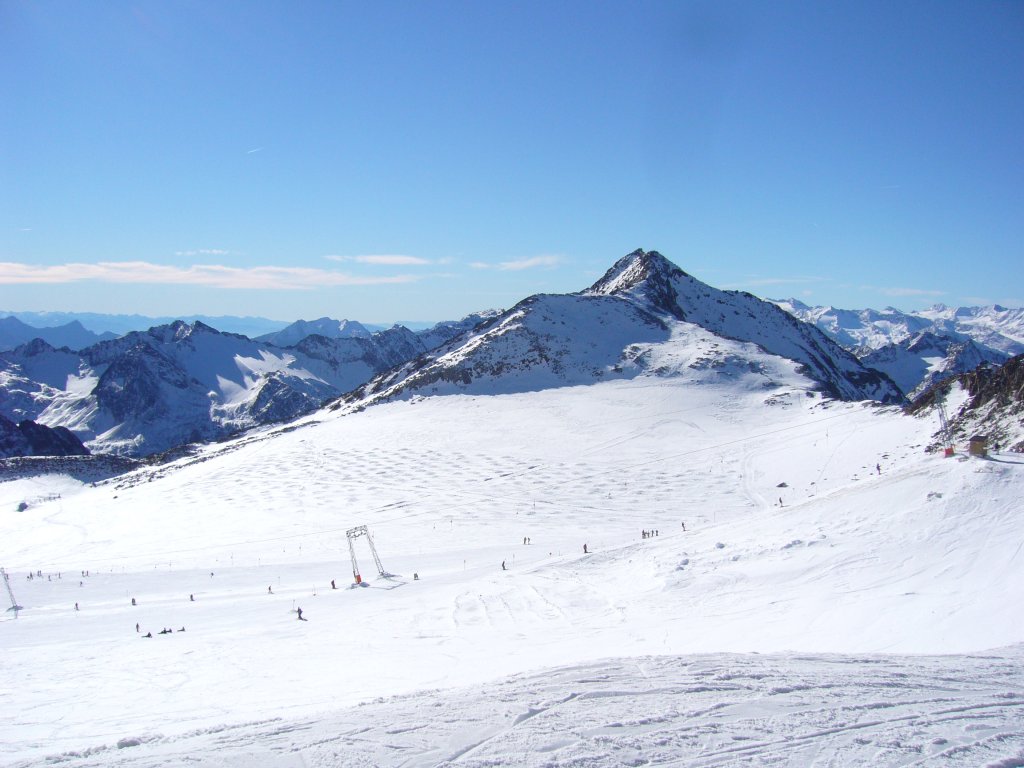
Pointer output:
387, 161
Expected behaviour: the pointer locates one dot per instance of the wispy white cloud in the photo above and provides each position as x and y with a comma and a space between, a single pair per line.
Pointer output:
387, 259
203, 252
209, 275
986, 301
254, 151
906, 291
532, 262
767, 281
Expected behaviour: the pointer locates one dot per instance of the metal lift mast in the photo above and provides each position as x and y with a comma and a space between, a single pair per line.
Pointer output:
353, 534
947, 441
10, 593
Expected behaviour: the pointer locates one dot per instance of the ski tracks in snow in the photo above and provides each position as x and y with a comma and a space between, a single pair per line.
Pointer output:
704, 710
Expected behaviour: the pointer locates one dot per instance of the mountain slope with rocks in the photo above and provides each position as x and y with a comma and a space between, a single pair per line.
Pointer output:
986, 401
918, 362
325, 326
649, 278
644, 317
865, 330
147, 392
919, 348
30, 439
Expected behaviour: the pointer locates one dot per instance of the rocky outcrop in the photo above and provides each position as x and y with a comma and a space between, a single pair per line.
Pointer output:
994, 406
31, 439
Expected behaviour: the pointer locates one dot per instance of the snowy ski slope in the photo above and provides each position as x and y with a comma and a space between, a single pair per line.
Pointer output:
872, 618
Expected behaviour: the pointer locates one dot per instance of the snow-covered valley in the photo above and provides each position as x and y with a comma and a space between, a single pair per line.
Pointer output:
837, 596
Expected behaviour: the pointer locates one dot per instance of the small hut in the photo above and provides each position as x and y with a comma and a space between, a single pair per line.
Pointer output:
978, 445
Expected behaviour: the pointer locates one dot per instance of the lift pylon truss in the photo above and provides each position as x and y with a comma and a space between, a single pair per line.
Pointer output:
947, 440
353, 534
10, 593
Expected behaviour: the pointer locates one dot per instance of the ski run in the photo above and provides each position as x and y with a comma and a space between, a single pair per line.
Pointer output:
771, 578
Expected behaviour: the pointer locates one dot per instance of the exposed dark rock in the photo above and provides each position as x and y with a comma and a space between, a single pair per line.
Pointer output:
30, 439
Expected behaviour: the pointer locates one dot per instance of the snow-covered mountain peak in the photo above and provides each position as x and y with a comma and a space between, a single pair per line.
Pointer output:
326, 327
643, 308
33, 348
643, 275
178, 331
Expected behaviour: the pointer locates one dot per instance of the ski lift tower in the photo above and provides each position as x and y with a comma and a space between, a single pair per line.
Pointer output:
10, 593
353, 534
947, 441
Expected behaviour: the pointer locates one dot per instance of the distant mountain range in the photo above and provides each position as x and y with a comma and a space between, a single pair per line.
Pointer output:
118, 325
149, 391
919, 361
865, 330
917, 349
325, 326
107, 325
13, 332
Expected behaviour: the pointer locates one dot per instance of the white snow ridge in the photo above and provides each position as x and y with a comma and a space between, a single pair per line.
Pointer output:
771, 577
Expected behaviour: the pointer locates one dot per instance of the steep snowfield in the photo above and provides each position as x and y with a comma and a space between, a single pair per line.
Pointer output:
864, 610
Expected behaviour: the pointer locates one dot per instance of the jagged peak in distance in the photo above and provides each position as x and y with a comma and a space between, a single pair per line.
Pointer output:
865, 330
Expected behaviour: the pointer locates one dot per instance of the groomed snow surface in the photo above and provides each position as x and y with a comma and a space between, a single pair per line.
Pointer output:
874, 618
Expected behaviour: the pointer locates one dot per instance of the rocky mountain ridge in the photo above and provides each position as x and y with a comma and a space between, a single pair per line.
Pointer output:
616, 328
324, 326
28, 438
917, 349
73, 335
988, 401
863, 331
921, 360
147, 392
